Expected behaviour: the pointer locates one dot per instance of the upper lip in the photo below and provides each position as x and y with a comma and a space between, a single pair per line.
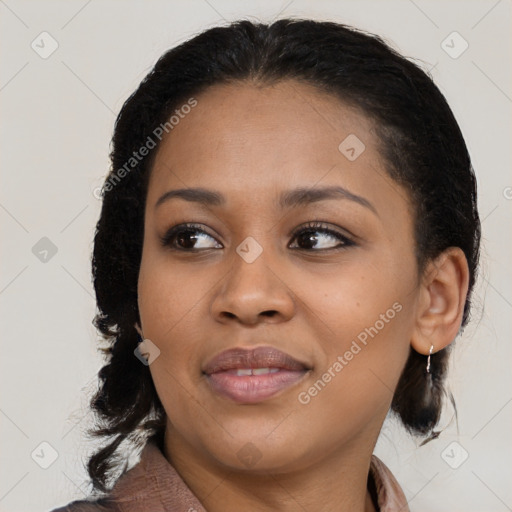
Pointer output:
259, 357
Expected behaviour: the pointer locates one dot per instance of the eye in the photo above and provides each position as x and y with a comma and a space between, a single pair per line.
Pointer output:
188, 237
191, 237
315, 233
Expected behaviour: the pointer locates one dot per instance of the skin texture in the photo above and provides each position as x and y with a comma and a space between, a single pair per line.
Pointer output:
251, 143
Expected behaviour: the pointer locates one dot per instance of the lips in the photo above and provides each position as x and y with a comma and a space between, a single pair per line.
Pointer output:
252, 376
260, 357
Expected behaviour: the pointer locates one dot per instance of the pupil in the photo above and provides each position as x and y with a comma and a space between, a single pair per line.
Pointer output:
187, 235
310, 238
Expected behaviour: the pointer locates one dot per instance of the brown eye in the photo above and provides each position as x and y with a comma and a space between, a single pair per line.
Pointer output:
188, 237
315, 236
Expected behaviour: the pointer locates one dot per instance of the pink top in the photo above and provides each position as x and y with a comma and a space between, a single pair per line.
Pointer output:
153, 485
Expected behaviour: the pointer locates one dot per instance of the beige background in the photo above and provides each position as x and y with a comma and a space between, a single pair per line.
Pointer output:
57, 120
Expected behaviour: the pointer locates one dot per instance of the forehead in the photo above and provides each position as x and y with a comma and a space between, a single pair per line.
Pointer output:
251, 140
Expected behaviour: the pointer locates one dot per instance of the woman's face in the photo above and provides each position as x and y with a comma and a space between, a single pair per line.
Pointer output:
340, 297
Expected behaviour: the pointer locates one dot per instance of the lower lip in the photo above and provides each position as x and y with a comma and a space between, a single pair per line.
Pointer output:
250, 389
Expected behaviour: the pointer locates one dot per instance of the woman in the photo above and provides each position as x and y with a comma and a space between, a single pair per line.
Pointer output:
286, 250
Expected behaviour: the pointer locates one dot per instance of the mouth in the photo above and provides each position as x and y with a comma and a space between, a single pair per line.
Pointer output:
252, 376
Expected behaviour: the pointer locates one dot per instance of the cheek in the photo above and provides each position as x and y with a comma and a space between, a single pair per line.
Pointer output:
356, 380
166, 294
355, 295
167, 305
369, 311
172, 309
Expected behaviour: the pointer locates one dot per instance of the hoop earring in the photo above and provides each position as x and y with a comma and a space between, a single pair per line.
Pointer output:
428, 359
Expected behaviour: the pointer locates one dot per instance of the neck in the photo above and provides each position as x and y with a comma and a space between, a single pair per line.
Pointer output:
335, 483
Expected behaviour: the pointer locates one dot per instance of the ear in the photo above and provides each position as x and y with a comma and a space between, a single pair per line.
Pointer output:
442, 297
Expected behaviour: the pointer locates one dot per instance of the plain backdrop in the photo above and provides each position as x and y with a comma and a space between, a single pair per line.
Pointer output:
66, 69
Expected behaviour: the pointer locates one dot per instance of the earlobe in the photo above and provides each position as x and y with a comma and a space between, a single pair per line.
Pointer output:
443, 294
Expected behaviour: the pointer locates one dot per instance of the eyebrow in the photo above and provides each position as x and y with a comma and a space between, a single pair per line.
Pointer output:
289, 199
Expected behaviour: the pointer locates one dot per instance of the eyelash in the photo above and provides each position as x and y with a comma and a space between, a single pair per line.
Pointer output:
168, 239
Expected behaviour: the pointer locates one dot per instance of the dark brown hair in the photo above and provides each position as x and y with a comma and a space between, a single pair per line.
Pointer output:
420, 141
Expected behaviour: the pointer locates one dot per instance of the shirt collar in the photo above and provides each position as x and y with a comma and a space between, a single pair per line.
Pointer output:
154, 485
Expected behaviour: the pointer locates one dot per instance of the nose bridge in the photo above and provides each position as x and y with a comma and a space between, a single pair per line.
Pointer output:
252, 258
252, 287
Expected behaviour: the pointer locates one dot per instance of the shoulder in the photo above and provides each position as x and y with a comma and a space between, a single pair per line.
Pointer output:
151, 484
389, 493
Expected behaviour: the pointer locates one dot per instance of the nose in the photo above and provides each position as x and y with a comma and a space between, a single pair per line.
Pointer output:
253, 292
